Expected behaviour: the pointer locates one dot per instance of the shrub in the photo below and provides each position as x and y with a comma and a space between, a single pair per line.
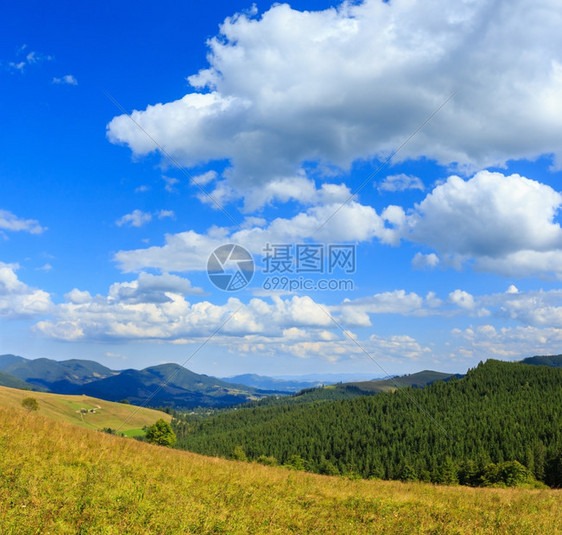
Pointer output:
161, 433
30, 404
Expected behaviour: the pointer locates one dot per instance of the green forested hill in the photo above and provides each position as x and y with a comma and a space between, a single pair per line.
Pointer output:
448, 431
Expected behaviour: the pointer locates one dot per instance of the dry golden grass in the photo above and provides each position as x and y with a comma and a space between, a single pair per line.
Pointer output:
56, 479
67, 409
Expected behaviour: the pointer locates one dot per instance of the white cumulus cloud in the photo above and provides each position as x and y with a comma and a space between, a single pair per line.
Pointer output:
17, 299
332, 86
507, 224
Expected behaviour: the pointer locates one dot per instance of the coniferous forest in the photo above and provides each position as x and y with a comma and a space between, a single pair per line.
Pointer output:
501, 424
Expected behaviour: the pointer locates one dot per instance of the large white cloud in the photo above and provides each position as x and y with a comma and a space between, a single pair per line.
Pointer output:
507, 224
329, 223
155, 307
358, 311
17, 299
489, 215
333, 86
328, 346
541, 309
497, 223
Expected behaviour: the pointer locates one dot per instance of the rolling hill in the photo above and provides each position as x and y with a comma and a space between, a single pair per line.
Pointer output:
73, 480
85, 411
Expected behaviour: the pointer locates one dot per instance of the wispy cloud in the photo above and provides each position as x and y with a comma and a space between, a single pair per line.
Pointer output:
136, 218
9, 221
400, 182
67, 79
170, 184
24, 59
162, 214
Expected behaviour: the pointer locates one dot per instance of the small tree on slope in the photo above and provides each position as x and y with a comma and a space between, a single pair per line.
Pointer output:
161, 433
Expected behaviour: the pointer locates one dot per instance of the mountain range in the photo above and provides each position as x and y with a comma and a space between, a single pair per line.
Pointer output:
162, 385
177, 387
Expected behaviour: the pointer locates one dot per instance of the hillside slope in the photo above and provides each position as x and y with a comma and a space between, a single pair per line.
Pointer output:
499, 412
57, 478
85, 411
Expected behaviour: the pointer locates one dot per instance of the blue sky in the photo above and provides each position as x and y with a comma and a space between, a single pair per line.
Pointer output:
138, 138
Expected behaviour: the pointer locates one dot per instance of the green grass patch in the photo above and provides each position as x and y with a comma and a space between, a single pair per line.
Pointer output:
134, 433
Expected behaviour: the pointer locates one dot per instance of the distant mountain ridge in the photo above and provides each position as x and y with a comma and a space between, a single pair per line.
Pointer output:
56, 376
554, 361
271, 383
171, 385
162, 385
341, 391
417, 380
295, 383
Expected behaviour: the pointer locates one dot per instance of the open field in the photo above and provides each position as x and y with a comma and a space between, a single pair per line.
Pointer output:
58, 478
69, 409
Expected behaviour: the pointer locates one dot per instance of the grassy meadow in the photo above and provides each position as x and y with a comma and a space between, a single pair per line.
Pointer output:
56, 478
65, 408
